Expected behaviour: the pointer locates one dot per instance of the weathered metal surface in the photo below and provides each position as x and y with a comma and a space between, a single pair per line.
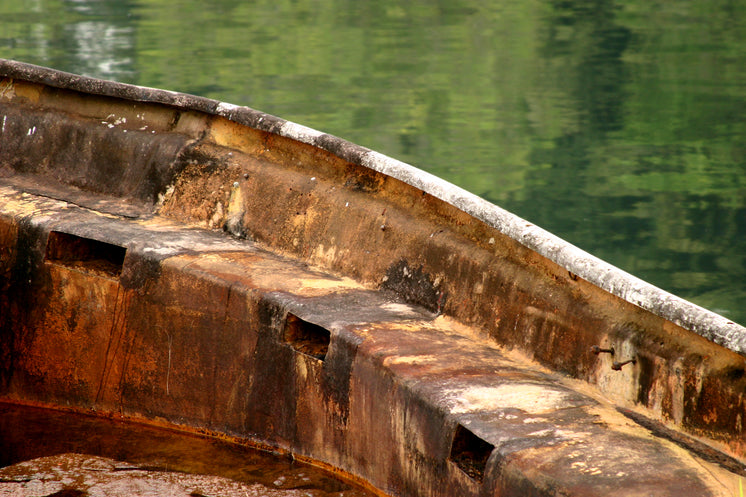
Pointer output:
601, 274
218, 268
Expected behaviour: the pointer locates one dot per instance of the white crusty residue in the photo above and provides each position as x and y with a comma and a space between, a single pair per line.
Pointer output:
225, 109
532, 399
299, 132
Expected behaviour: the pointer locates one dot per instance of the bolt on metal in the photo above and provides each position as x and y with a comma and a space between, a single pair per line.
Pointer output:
617, 366
598, 350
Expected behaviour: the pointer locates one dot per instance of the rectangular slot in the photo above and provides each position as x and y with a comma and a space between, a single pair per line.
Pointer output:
470, 453
85, 254
307, 338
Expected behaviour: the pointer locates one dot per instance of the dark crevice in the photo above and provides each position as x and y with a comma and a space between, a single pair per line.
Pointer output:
85, 254
306, 337
68, 492
470, 453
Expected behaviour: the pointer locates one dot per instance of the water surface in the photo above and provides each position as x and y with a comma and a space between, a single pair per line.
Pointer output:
616, 125
43, 451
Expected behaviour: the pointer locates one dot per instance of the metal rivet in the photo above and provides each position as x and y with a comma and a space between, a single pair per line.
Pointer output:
617, 366
597, 350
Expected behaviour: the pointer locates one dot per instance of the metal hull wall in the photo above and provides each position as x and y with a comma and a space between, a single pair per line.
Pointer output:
164, 260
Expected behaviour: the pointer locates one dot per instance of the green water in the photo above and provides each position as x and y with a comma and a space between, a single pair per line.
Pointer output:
619, 126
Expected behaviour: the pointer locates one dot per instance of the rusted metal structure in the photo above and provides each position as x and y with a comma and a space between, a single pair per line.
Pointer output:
178, 260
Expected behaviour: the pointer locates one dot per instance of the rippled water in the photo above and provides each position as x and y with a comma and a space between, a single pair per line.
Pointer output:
616, 125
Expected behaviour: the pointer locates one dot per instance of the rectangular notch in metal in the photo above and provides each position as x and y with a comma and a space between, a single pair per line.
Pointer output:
85, 254
470, 453
307, 338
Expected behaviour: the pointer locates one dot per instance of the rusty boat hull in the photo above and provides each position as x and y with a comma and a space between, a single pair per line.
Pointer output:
185, 262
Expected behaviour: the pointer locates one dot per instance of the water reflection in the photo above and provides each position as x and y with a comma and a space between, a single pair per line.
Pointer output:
101, 49
587, 41
52, 449
92, 37
617, 125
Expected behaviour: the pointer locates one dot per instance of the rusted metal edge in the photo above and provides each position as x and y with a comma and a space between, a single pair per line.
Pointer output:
688, 315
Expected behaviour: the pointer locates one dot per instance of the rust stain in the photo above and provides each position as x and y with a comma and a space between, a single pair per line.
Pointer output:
263, 288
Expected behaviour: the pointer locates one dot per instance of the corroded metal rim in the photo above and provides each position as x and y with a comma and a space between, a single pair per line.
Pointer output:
602, 274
